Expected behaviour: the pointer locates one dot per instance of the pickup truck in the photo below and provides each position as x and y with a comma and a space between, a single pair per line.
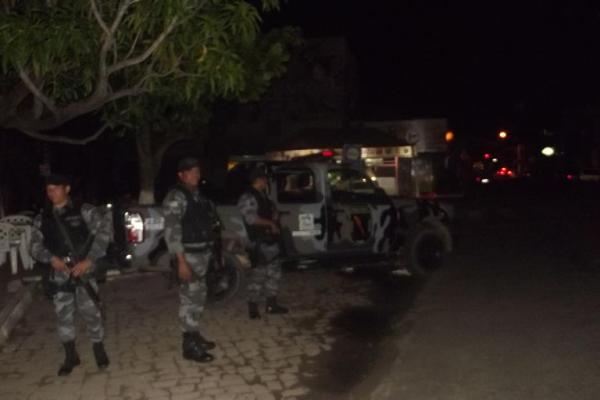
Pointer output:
329, 212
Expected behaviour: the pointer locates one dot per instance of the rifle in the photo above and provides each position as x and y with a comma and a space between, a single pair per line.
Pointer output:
265, 236
72, 260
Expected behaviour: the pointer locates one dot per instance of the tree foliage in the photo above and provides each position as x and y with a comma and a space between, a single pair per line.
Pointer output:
130, 59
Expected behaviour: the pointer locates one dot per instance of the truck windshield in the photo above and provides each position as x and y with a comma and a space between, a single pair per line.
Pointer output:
296, 186
349, 181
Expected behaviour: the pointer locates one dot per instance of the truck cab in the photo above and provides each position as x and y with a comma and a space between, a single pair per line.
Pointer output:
334, 211
328, 210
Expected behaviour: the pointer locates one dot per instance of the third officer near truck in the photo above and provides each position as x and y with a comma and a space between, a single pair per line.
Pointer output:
190, 221
260, 219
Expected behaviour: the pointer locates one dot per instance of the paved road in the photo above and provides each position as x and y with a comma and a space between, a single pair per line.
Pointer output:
320, 350
514, 316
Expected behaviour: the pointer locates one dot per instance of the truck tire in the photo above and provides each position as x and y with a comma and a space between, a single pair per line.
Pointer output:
223, 284
425, 250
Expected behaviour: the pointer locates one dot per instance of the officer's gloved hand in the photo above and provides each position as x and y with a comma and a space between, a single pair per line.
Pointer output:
59, 264
184, 271
81, 268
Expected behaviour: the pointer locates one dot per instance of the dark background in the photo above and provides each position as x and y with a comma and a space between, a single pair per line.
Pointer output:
526, 67
482, 64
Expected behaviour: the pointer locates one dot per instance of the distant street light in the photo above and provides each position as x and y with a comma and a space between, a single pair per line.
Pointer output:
449, 136
502, 135
548, 151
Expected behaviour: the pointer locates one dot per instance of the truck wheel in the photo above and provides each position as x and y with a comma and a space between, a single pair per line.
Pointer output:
425, 251
224, 282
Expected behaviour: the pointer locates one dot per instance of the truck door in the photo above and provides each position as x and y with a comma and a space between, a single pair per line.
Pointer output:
298, 194
354, 212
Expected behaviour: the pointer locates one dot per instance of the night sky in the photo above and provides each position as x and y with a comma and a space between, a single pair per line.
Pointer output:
484, 64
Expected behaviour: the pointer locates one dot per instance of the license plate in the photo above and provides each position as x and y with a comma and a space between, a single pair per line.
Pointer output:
154, 224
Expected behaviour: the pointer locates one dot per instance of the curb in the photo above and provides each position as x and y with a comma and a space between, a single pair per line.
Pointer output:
14, 310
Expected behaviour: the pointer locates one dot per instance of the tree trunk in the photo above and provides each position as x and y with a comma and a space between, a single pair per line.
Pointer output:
147, 168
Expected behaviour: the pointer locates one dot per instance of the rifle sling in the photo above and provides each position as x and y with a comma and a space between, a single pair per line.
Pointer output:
67, 238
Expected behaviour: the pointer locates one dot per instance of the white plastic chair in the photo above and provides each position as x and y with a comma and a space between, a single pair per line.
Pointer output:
21, 236
6, 234
17, 220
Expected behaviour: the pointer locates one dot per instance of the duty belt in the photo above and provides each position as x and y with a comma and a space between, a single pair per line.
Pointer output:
197, 247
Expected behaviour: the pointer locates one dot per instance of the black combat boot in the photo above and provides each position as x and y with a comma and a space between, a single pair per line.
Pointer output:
193, 351
102, 360
253, 310
202, 341
71, 359
274, 308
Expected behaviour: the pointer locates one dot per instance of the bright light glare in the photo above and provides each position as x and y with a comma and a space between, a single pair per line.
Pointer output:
485, 180
502, 135
548, 151
374, 178
494, 160
109, 205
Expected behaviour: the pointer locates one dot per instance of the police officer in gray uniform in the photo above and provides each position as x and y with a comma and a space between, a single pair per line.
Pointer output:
61, 228
190, 222
260, 218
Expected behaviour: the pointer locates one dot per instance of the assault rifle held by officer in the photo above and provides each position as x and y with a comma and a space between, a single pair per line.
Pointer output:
58, 231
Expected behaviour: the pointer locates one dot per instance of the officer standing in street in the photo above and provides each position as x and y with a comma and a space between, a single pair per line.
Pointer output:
190, 222
260, 218
71, 239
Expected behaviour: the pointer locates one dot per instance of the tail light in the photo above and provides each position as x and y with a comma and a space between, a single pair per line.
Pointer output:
505, 172
134, 228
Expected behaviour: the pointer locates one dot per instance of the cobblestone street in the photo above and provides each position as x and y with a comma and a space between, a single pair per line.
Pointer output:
272, 358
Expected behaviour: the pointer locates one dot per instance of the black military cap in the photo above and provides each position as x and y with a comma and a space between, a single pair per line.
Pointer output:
257, 173
57, 179
187, 163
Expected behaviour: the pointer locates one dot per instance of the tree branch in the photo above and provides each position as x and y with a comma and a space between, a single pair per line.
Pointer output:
99, 18
146, 54
108, 39
121, 14
132, 48
151, 74
38, 108
37, 92
131, 92
68, 113
64, 139
12, 99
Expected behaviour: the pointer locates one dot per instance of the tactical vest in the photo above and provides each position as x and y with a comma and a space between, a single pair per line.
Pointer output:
75, 227
265, 210
198, 222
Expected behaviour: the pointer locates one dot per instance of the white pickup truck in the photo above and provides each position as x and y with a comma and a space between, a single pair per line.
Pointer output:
328, 212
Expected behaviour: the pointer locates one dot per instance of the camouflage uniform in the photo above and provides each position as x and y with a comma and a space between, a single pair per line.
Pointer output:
265, 275
65, 303
192, 294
